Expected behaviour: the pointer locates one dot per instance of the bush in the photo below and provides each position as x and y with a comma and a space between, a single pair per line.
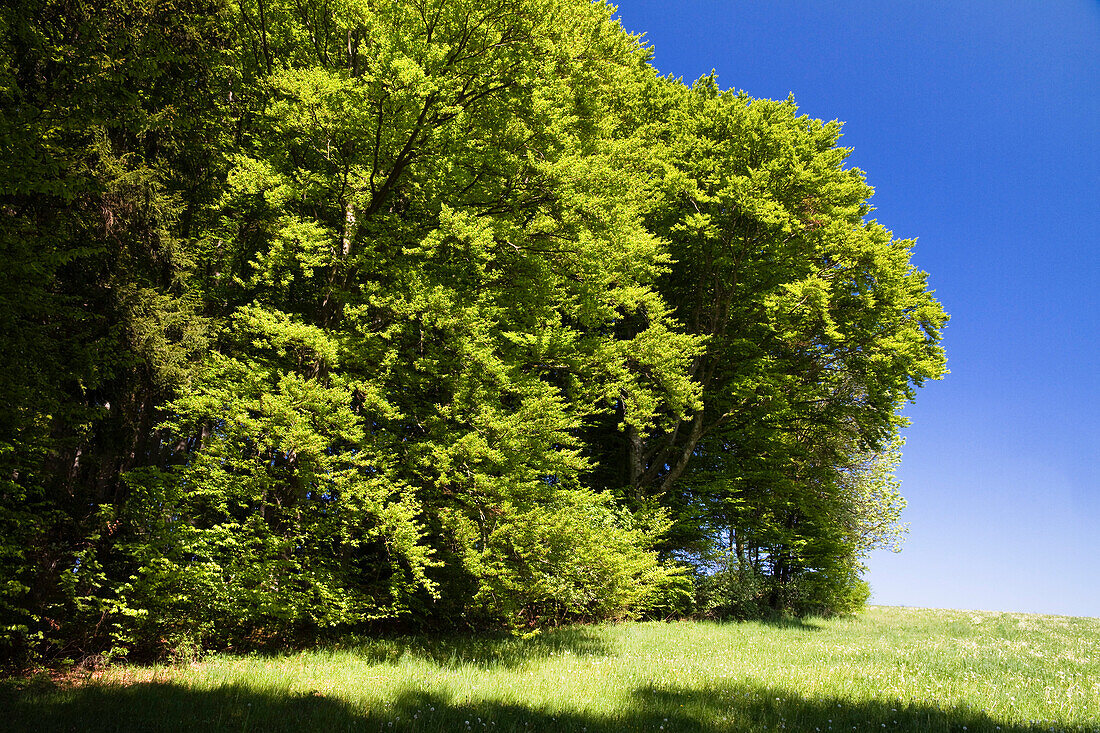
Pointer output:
735, 592
841, 592
674, 600
574, 559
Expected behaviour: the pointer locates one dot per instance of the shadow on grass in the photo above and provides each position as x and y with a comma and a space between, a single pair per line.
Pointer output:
789, 622
733, 707
501, 650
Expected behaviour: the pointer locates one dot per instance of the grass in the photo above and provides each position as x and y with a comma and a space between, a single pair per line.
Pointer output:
890, 669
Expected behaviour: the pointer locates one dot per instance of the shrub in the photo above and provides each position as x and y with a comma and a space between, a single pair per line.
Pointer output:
574, 559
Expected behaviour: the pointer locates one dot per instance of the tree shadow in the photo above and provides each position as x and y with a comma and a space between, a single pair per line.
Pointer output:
737, 706
485, 650
788, 622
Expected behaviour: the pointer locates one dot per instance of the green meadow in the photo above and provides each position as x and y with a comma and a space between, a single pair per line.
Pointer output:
895, 669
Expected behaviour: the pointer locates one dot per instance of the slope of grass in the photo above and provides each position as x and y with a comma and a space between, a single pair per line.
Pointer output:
890, 669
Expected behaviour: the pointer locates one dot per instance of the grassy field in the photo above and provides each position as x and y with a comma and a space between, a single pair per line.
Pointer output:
893, 669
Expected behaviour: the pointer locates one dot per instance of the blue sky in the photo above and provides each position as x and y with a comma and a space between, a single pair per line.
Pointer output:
978, 124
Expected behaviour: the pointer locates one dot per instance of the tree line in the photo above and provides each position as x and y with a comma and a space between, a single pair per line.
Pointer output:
330, 314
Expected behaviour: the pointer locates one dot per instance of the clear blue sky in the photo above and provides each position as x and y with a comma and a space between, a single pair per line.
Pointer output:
978, 124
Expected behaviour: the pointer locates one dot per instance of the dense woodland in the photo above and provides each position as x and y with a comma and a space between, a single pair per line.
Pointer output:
336, 314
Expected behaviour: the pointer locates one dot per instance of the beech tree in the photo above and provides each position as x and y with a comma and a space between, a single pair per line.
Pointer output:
429, 230
330, 314
818, 328
108, 143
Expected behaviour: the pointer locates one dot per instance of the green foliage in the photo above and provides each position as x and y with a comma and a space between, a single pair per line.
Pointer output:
575, 560
733, 591
817, 330
838, 593
105, 126
324, 314
454, 209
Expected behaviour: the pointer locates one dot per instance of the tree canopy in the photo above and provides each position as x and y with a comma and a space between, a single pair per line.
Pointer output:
324, 315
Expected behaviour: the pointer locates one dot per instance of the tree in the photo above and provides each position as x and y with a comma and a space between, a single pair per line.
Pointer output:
105, 128
430, 229
818, 328
320, 314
